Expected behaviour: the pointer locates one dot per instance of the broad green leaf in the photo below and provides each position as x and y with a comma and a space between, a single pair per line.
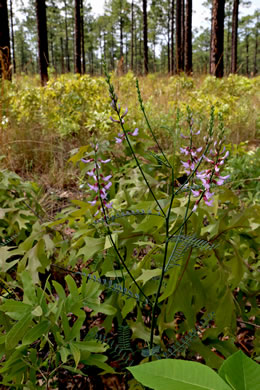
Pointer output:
37, 312
171, 374
64, 353
75, 352
241, 372
37, 332
90, 346
15, 309
18, 331
99, 361
148, 274
28, 288
91, 246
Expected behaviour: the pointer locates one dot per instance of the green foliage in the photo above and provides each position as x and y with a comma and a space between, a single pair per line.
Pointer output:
48, 320
238, 371
66, 105
115, 263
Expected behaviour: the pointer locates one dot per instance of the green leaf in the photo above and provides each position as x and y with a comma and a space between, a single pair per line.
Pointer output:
148, 274
241, 372
15, 309
37, 312
76, 353
18, 331
89, 346
37, 332
99, 361
91, 246
171, 374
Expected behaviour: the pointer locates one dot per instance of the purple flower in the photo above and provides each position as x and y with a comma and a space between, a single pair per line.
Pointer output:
222, 180
105, 161
92, 202
118, 140
135, 132
208, 202
107, 178
115, 120
195, 193
185, 136
185, 151
93, 187
124, 114
186, 164
109, 184
87, 161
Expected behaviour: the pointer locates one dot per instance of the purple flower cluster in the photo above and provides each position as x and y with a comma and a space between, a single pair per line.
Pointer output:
121, 136
101, 184
206, 176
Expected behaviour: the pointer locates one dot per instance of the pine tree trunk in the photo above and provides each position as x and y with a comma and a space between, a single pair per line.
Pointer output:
256, 47
82, 37
178, 37
67, 54
5, 55
172, 37
145, 36
247, 53
182, 34
234, 37
42, 40
77, 38
188, 37
217, 38
132, 36
62, 56
168, 39
12, 36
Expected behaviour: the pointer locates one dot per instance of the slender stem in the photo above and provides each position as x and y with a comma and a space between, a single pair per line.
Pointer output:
117, 110
111, 238
148, 123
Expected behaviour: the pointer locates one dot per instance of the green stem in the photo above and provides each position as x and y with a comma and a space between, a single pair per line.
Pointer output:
112, 241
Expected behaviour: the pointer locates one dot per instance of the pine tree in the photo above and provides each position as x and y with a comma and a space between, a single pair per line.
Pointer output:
5, 56
42, 40
217, 38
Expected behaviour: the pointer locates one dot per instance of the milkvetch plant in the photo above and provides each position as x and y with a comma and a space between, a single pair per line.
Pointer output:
169, 247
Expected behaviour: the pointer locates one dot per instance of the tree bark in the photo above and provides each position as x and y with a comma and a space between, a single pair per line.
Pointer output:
182, 34
132, 35
82, 37
168, 38
5, 55
67, 54
42, 40
178, 37
145, 37
234, 37
77, 38
256, 46
217, 38
247, 53
188, 37
172, 37
62, 56
12, 36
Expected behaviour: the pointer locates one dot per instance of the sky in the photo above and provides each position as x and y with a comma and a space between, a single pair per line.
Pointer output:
200, 13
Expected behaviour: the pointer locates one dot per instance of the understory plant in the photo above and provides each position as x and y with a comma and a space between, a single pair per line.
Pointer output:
143, 267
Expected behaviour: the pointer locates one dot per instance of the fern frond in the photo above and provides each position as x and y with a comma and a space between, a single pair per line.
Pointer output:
124, 337
10, 239
185, 242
